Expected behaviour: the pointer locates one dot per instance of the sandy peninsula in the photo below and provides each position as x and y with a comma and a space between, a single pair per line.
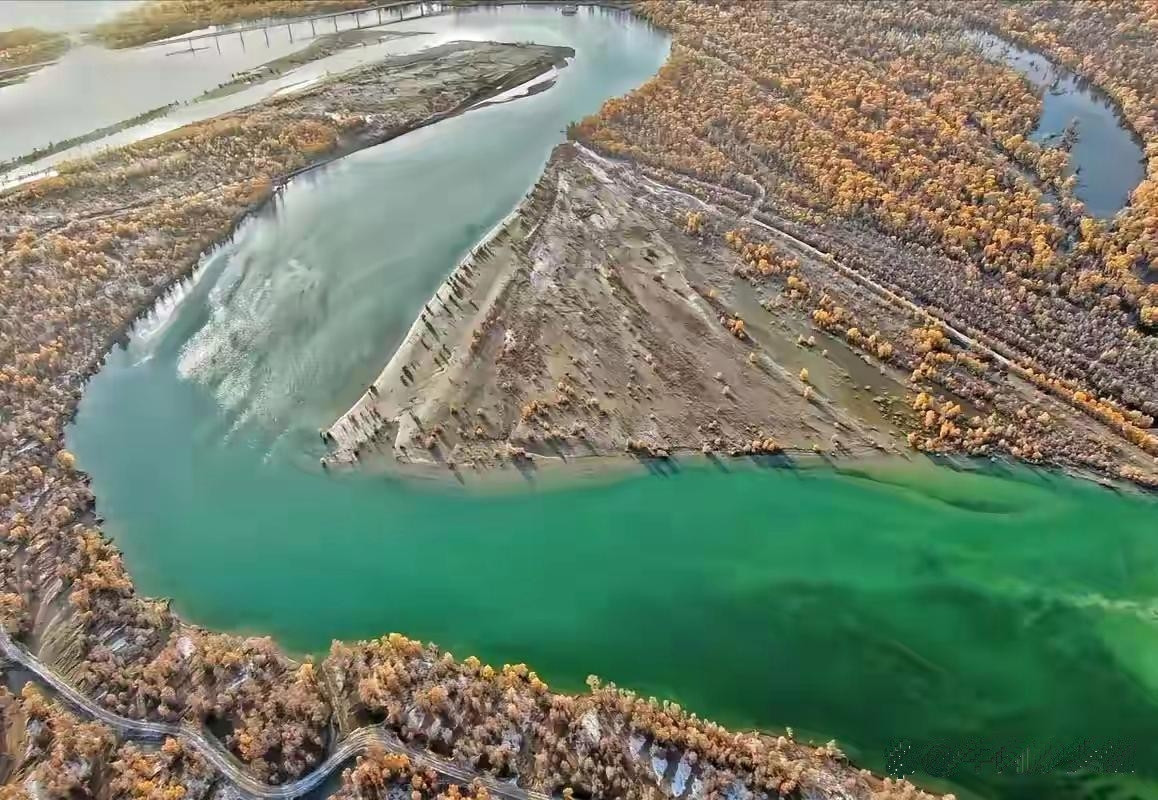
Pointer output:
617, 313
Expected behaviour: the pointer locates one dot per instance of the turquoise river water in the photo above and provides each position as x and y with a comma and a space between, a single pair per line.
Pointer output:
907, 610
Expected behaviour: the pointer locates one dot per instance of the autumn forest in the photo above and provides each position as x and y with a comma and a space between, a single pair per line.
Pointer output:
893, 157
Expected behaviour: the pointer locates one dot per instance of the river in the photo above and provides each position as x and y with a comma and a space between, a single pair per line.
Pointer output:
903, 603
93, 87
1107, 157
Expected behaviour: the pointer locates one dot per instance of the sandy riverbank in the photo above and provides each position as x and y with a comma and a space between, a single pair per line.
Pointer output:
612, 314
558, 338
37, 162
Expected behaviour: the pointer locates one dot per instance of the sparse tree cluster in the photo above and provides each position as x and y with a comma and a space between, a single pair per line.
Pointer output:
382, 775
881, 133
507, 722
44, 746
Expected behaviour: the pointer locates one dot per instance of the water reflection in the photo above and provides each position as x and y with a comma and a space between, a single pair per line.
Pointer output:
1106, 156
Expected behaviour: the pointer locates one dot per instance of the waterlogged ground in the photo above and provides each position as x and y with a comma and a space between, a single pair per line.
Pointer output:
904, 603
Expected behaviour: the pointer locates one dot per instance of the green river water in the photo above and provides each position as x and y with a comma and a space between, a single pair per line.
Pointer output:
906, 603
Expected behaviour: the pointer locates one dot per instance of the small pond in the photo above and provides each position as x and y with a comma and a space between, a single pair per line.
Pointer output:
1106, 155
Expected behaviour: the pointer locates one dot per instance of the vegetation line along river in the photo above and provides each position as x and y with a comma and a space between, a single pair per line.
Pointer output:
225, 763
892, 603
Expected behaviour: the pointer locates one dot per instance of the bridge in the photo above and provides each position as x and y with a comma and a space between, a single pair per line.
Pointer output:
354, 19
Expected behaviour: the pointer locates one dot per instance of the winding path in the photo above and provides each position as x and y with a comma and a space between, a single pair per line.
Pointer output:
211, 749
975, 340
864, 280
